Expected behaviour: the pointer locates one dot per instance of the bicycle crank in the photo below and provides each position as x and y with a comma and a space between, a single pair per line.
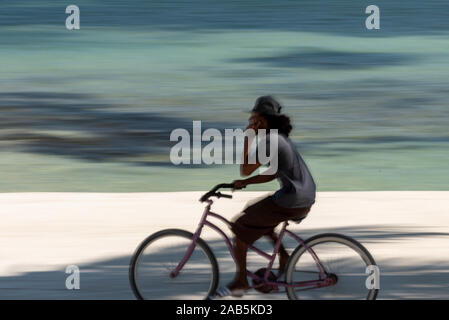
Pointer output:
261, 285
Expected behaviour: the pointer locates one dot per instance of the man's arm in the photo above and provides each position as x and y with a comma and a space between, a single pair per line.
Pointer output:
248, 168
240, 184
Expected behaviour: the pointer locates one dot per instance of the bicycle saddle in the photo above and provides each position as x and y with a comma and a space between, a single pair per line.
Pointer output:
298, 220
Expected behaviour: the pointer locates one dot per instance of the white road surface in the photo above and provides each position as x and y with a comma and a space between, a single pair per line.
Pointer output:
42, 233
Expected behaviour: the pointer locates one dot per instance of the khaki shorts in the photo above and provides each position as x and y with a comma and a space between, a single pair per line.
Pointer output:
262, 217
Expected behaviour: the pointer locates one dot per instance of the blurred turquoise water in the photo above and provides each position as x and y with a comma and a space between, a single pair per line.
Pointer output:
92, 109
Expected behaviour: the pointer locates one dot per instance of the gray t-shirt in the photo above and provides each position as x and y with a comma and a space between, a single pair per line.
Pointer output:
297, 185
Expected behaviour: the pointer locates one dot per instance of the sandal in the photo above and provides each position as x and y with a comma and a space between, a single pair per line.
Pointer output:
226, 292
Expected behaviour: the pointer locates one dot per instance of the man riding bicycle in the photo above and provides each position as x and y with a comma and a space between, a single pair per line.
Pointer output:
292, 201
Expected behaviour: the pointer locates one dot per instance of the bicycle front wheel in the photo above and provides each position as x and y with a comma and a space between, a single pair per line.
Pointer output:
342, 257
159, 254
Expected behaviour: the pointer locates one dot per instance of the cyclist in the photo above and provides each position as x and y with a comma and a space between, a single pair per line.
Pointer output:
292, 201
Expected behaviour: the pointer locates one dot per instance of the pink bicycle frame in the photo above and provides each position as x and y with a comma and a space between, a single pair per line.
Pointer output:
324, 279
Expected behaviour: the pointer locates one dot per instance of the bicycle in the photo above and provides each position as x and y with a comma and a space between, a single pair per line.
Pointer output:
185, 264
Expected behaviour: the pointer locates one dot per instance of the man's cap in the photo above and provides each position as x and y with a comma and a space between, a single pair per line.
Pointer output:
267, 105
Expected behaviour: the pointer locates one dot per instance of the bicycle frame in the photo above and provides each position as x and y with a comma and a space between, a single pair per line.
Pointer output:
324, 279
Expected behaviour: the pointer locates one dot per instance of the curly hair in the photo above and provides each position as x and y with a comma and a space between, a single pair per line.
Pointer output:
280, 122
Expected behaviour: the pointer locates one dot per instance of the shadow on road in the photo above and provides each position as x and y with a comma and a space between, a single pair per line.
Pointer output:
108, 279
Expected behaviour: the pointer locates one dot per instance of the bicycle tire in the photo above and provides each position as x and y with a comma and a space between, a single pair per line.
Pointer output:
172, 232
323, 238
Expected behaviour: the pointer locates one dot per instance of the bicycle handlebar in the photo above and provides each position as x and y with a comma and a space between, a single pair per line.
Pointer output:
214, 193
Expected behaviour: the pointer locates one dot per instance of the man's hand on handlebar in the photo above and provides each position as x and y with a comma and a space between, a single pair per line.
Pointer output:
214, 192
239, 184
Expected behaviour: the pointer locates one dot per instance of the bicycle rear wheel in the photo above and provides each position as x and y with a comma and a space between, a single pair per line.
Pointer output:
340, 256
159, 254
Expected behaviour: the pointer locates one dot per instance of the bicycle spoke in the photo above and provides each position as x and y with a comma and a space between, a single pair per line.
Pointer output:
307, 271
343, 260
157, 259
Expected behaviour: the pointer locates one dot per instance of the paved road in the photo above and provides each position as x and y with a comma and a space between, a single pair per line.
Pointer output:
42, 233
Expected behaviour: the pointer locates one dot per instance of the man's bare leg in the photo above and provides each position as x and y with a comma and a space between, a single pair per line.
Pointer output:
240, 281
283, 255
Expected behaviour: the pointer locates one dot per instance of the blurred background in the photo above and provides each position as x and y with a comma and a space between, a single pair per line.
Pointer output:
92, 109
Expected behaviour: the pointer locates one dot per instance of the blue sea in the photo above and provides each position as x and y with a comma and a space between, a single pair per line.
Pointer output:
92, 109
